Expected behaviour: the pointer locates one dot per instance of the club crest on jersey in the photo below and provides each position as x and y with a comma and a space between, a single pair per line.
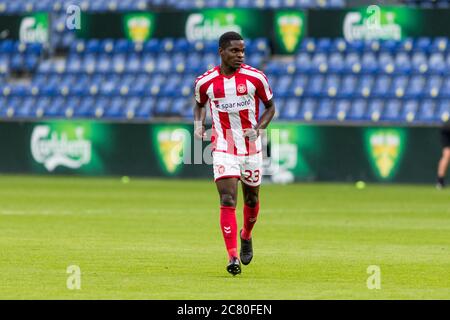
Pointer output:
220, 169
241, 88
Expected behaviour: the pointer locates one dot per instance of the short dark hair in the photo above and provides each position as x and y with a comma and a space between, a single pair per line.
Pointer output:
224, 40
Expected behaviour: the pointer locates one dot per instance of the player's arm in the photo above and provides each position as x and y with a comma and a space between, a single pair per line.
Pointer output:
267, 115
201, 99
199, 120
263, 92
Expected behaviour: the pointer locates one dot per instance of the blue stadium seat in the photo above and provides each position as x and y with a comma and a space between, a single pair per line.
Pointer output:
85, 108
355, 46
130, 107
303, 63
416, 87
381, 86
323, 45
315, 85
402, 63
427, 112
352, 63
188, 114
419, 62
93, 46
151, 46
365, 86
369, 63
336, 62
342, 109
406, 45
26, 109
348, 86
386, 62
54, 108
282, 85
358, 110
163, 107
409, 111
178, 107
443, 113
7, 46
372, 46
163, 63
437, 64
445, 89
170, 87
375, 109
166, 45
433, 86
422, 44
331, 86
308, 108
298, 85
398, 87
338, 45
307, 45
325, 109
256, 60
182, 45
133, 64
116, 108
439, 44
103, 63
392, 110
389, 46
145, 110
319, 63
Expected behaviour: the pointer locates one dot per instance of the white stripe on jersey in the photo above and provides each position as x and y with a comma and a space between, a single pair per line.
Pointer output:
236, 129
230, 87
202, 81
221, 143
260, 77
252, 117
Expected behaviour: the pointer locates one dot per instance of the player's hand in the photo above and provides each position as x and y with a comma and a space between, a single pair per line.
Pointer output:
199, 132
251, 134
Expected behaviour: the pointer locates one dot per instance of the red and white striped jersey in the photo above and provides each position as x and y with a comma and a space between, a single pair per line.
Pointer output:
234, 105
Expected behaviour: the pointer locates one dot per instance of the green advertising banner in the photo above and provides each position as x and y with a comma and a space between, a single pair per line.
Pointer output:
284, 28
385, 148
210, 24
290, 28
378, 23
139, 26
169, 143
65, 146
296, 152
30, 28
207, 24
331, 153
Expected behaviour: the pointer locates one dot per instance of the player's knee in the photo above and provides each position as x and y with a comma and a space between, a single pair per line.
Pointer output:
251, 200
227, 200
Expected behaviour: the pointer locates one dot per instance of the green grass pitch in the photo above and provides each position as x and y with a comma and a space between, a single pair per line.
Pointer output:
160, 239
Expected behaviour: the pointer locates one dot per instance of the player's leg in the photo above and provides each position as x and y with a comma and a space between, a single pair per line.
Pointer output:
442, 168
251, 210
251, 180
445, 158
227, 189
226, 175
